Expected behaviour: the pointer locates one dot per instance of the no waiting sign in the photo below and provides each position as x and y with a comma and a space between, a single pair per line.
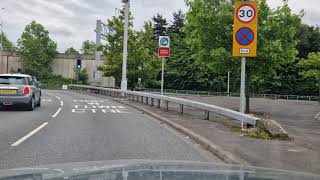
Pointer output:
245, 29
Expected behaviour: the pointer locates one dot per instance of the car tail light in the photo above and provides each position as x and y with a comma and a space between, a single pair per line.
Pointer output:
26, 90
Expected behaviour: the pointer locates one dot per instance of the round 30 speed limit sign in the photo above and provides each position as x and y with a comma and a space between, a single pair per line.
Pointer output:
246, 13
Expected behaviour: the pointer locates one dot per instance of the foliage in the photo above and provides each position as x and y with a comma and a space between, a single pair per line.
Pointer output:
178, 23
55, 82
71, 50
159, 26
311, 66
88, 47
6, 43
308, 40
83, 75
36, 50
142, 60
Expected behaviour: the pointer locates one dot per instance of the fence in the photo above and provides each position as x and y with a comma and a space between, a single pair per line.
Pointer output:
155, 100
210, 93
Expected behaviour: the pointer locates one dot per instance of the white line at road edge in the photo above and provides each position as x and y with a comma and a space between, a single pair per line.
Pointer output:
29, 135
56, 114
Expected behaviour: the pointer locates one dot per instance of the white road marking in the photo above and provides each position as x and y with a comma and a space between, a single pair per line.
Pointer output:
30, 134
56, 114
61, 104
46, 100
317, 116
118, 111
113, 111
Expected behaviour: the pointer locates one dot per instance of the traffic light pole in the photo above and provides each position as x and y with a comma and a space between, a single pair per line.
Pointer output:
78, 76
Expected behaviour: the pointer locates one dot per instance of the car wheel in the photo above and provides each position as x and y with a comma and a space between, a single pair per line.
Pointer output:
39, 102
31, 104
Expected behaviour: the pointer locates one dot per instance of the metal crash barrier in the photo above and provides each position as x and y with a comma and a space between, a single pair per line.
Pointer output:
155, 100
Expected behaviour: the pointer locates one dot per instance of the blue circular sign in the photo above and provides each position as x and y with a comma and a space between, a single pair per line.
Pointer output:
245, 36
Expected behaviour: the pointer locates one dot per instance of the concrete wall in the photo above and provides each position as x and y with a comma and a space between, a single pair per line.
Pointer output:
63, 64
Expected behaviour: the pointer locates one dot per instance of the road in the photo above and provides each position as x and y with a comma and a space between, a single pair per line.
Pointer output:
73, 127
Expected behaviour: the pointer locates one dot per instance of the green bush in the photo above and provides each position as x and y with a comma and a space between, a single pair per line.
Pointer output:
55, 82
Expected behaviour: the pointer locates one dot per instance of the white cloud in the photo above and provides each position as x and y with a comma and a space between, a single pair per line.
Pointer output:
70, 22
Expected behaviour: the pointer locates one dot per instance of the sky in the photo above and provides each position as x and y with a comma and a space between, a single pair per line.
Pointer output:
70, 22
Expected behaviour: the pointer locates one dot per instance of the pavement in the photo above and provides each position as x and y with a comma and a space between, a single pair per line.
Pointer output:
302, 153
73, 127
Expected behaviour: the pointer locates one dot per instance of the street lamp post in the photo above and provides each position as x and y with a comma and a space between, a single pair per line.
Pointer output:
124, 83
1, 38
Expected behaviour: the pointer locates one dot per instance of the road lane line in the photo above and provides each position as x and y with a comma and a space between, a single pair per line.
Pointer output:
29, 135
61, 103
56, 114
317, 116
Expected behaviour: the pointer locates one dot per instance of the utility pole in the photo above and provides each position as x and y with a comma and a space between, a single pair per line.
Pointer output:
228, 83
124, 82
1, 41
98, 53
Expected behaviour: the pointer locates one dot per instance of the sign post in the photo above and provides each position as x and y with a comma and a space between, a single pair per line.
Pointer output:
245, 34
163, 52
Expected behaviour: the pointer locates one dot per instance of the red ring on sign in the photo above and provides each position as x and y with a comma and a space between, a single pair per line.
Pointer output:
250, 31
254, 10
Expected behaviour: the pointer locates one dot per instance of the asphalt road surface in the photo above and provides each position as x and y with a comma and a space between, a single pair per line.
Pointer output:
73, 127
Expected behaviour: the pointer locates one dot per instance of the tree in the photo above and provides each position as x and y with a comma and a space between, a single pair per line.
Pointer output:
308, 38
178, 22
71, 50
6, 43
36, 50
83, 75
142, 60
209, 33
311, 67
88, 47
159, 26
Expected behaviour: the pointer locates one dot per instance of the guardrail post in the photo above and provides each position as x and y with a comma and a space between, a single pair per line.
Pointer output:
152, 102
167, 105
181, 108
207, 114
141, 99
147, 100
158, 103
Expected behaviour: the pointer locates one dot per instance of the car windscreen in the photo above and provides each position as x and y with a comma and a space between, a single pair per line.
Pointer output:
10, 80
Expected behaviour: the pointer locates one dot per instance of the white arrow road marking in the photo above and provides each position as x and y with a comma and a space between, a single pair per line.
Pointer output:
30, 134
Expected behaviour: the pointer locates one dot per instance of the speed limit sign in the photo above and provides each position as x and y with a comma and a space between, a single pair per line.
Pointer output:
245, 29
246, 13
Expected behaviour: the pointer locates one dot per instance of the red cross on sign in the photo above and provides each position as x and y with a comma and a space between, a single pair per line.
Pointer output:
163, 52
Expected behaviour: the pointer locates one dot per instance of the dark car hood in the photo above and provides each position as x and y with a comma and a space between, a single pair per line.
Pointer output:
150, 170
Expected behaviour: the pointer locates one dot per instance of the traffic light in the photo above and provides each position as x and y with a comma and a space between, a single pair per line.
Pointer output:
79, 62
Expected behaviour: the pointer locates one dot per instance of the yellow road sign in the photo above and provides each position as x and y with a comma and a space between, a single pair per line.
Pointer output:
245, 30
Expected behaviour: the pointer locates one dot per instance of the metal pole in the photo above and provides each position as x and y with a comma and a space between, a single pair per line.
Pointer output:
78, 76
228, 83
98, 53
162, 76
124, 83
243, 85
1, 37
